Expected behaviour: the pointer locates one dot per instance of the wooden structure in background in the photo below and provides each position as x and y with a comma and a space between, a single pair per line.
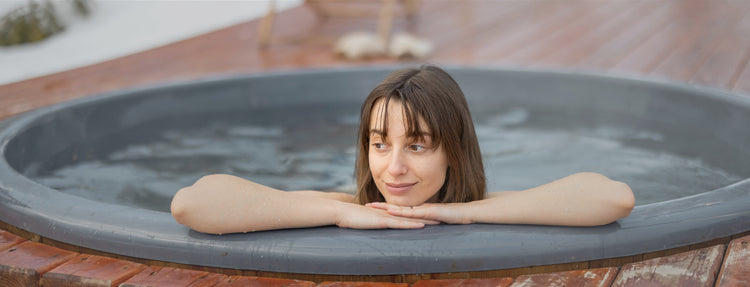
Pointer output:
700, 42
26, 263
324, 9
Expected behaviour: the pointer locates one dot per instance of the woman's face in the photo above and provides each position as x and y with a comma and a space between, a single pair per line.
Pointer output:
408, 172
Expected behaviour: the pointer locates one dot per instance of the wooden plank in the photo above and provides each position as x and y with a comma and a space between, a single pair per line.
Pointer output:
558, 267
585, 41
590, 277
361, 284
521, 25
8, 240
684, 60
694, 268
735, 271
475, 282
91, 270
323, 277
484, 25
725, 63
239, 281
24, 264
501, 273
614, 262
742, 83
687, 18
172, 277
610, 52
568, 32
551, 29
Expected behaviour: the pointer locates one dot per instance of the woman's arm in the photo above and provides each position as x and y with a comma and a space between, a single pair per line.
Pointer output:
228, 204
582, 199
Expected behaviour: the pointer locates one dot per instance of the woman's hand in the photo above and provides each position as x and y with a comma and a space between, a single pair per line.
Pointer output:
363, 217
582, 199
452, 213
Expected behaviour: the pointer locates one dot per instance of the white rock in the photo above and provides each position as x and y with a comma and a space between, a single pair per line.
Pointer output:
406, 45
358, 45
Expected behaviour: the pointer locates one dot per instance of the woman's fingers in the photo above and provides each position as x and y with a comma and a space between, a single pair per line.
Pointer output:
428, 213
447, 213
404, 216
401, 211
420, 212
412, 215
378, 205
360, 217
424, 221
407, 223
416, 212
404, 224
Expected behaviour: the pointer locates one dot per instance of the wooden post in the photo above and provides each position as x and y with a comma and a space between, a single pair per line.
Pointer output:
385, 20
266, 24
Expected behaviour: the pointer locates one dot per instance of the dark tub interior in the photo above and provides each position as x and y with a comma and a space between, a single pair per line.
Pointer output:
122, 156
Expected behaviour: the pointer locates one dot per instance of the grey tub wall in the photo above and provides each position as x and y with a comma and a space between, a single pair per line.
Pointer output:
446, 248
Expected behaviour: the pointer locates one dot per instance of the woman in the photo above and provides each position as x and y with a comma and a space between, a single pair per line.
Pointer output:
418, 163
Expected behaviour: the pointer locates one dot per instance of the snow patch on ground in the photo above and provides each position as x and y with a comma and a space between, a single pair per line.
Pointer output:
119, 28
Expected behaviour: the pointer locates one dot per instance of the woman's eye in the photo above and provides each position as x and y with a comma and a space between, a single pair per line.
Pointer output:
416, 147
378, 146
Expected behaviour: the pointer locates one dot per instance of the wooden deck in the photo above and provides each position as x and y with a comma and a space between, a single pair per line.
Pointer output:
701, 42
26, 263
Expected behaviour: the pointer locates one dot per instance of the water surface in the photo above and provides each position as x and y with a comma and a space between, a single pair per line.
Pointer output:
314, 149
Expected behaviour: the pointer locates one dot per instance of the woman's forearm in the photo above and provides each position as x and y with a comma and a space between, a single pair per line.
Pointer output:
584, 199
227, 204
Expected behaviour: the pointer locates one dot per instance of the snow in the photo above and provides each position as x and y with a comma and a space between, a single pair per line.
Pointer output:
119, 28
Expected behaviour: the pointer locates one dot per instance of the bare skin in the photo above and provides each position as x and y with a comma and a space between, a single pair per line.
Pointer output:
582, 199
406, 170
221, 204
227, 204
410, 172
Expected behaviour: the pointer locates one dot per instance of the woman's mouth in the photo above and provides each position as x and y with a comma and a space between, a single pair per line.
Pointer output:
399, 188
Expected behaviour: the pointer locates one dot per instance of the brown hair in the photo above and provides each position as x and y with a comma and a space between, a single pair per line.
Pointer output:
430, 93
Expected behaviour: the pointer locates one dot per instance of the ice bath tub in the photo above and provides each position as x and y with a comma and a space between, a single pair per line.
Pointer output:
100, 172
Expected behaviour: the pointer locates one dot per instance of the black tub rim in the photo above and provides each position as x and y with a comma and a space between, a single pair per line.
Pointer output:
330, 250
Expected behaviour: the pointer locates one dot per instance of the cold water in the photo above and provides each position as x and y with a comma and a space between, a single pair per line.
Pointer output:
313, 148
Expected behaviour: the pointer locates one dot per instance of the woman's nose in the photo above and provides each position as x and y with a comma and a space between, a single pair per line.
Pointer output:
397, 164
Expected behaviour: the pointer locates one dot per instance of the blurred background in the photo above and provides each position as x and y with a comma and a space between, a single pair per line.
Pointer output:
134, 43
110, 29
